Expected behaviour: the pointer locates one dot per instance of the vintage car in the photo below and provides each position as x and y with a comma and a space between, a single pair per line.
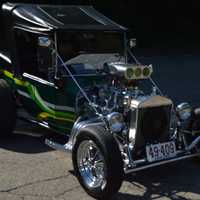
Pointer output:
71, 70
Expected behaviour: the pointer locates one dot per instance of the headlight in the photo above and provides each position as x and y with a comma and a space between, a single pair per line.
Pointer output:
184, 111
115, 121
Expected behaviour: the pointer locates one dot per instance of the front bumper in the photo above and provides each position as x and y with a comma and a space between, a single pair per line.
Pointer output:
142, 164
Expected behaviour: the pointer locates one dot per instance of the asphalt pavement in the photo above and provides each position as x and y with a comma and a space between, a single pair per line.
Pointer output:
29, 170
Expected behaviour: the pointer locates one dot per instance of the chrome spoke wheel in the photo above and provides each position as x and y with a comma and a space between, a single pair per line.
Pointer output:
97, 162
91, 165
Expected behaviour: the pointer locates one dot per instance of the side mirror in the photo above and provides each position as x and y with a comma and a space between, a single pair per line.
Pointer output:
44, 41
132, 43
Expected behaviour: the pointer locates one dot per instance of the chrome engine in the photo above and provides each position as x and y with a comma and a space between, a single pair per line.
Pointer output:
134, 117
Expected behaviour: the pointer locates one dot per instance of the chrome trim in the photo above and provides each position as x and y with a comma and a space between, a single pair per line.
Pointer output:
28, 118
118, 124
184, 111
6, 58
143, 102
79, 124
133, 125
40, 80
67, 148
161, 163
150, 101
17, 13
37, 30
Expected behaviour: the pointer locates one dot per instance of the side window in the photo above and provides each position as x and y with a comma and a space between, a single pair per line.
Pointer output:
33, 59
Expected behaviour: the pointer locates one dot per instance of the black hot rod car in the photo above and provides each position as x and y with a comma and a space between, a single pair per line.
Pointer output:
72, 70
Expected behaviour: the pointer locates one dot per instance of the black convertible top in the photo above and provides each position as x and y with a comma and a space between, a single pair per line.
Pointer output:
45, 18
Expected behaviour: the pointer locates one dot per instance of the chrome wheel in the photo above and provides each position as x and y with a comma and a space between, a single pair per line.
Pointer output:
91, 165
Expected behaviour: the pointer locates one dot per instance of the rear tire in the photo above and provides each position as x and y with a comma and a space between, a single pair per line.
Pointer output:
7, 108
108, 151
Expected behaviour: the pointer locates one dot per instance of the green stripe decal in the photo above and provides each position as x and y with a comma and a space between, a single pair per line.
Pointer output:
38, 100
35, 96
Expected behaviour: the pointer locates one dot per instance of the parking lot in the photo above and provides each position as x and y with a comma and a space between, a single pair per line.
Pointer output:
32, 171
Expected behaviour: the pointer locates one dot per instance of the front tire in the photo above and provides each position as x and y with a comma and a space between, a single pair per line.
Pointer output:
98, 163
7, 108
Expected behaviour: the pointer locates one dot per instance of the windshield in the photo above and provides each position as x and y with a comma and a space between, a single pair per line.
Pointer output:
72, 44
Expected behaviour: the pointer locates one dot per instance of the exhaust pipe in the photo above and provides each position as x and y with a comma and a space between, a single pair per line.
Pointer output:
67, 148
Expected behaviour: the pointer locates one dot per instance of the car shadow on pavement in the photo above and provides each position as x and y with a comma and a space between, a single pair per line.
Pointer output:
27, 138
23, 143
177, 181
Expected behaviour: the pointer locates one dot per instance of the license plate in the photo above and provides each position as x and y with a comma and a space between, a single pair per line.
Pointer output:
160, 151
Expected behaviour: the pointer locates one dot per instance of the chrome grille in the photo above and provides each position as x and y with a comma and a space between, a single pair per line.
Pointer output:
152, 125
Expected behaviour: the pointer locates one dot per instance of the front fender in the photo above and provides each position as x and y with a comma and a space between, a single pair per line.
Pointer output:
81, 125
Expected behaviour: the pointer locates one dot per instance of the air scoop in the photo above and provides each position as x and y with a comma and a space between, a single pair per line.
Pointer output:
129, 71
